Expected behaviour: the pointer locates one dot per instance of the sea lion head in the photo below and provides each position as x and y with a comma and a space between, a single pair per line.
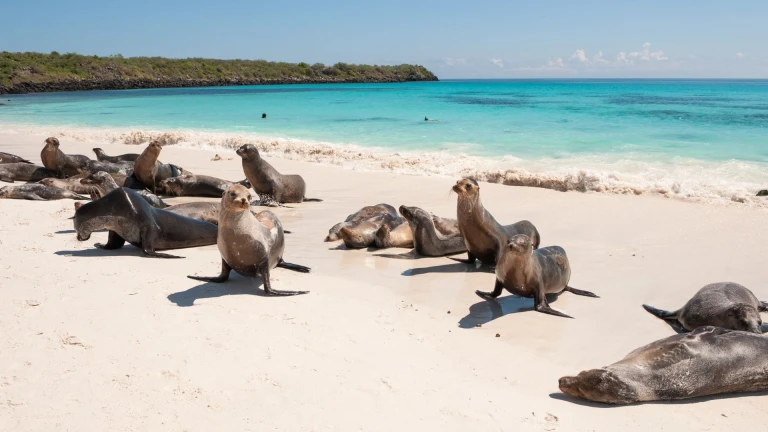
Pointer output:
599, 385
96, 178
248, 152
236, 198
467, 188
744, 318
413, 213
520, 244
46, 181
98, 151
4, 192
171, 186
52, 143
154, 147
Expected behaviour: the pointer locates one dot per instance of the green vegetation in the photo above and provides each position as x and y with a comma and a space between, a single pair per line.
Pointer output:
35, 72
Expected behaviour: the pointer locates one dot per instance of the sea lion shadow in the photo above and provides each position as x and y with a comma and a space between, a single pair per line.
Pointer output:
97, 252
236, 285
701, 399
486, 311
407, 255
66, 232
449, 268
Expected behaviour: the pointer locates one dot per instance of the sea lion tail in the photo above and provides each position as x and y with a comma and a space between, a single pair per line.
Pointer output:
665, 315
312, 200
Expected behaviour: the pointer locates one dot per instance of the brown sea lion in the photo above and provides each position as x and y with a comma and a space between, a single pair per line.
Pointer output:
724, 304
20, 171
533, 273
6, 158
272, 187
363, 234
396, 233
483, 236
128, 157
104, 184
250, 245
196, 185
208, 211
355, 218
128, 217
71, 184
63, 164
707, 361
432, 235
38, 192
150, 171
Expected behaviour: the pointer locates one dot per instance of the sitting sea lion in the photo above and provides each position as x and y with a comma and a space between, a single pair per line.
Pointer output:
432, 235
394, 233
128, 157
38, 192
708, 361
104, 184
483, 236
725, 304
150, 171
196, 185
364, 234
20, 171
250, 245
128, 217
355, 218
55, 160
530, 272
272, 187
6, 158
71, 184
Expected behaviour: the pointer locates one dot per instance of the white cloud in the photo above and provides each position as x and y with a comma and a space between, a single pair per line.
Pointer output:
556, 63
739, 55
580, 55
498, 62
599, 58
448, 61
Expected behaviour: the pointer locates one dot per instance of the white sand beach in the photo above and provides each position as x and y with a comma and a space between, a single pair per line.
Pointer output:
97, 340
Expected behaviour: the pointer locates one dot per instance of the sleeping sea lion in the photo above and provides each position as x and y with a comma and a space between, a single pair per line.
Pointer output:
6, 158
38, 192
20, 171
355, 218
128, 157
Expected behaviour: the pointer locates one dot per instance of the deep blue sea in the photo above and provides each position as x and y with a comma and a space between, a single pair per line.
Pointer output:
695, 138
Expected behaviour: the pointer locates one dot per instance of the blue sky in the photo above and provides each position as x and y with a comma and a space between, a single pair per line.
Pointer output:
469, 39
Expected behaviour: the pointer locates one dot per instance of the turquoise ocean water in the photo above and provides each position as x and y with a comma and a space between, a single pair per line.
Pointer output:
690, 138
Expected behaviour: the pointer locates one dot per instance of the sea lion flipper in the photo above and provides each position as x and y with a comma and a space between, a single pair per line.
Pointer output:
223, 277
491, 296
6, 179
268, 286
312, 200
34, 197
153, 254
658, 313
470, 259
581, 292
114, 241
542, 305
294, 267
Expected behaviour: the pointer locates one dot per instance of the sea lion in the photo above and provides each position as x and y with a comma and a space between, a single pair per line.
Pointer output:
6, 158
196, 185
363, 234
71, 184
724, 304
128, 157
395, 233
20, 171
208, 211
763, 193
104, 184
63, 164
150, 171
272, 187
530, 272
38, 192
250, 245
433, 236
128, 217
483, 236
708, 361
355, 218
122, 169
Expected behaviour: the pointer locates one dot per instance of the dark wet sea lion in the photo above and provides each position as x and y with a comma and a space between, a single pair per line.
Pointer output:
118, 169
533, 273
272, 187
63, 164
433, 236
6, 158
363, 234
196, 185
104, 183
128, 217
395, 233
128, 157
250, 245
707, 361
150, 171
724, 304
483, 236
71, 184
355, 218
38, 192
20, 171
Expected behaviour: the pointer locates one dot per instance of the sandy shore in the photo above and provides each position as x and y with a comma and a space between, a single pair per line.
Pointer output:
98, 340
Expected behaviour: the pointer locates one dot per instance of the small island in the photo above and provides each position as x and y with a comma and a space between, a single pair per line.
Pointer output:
36, 72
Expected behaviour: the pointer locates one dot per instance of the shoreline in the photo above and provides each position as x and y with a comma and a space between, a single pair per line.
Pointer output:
684, 179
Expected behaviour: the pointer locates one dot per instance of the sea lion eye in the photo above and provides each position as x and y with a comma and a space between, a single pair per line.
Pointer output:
232, 194
467, 186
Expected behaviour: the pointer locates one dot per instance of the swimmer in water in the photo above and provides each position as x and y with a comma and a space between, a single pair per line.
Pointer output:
264, 115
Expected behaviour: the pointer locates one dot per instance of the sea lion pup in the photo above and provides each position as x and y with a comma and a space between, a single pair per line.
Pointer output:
395, 233
71, 184
6, 158
38, 192
708, 361
196, 185
150, 171
55, 160
103, 183
128, 217
363, 234
355, 218
724, 304
272, 187
250, 245
483, 236
20, 171
433, 236
530, 272
128, 157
